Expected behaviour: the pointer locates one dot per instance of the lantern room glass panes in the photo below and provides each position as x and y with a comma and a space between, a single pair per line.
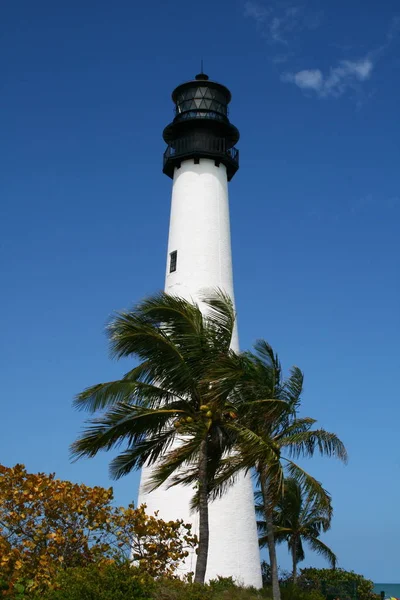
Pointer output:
203, 102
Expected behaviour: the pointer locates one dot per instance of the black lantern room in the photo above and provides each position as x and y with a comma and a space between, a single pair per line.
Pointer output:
201, 128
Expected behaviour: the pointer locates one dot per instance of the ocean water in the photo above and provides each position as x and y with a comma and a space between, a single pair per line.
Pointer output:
390, 589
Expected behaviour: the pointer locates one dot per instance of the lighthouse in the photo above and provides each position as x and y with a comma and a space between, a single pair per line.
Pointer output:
201, 158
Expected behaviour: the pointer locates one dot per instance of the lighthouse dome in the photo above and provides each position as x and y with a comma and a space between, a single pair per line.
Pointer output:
201, 98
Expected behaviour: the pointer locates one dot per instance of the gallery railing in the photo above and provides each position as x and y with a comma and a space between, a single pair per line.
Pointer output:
202, 145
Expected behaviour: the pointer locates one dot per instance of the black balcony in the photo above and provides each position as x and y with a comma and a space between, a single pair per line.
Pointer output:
201, 146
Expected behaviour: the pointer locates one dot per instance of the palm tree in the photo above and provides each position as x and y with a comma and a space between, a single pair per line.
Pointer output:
298, 518
163, 410
268, 441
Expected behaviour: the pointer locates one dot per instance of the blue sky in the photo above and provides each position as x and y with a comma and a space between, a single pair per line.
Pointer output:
315, 207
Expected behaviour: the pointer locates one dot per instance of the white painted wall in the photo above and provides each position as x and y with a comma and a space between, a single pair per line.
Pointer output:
200, 233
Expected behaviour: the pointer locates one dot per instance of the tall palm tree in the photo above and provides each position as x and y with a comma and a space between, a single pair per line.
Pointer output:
298, 518
268, 442
163, 410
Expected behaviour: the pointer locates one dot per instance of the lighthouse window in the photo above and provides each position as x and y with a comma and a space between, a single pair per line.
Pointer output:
172, 261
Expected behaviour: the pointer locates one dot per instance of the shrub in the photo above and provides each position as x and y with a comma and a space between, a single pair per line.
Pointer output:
225, 588
175, 589
221, 584
222, 588
284, 576
102, 582
294, 592
336, 580
48, 525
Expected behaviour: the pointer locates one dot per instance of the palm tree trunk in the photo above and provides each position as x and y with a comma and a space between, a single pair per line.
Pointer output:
202, 553
269, 521
294, 559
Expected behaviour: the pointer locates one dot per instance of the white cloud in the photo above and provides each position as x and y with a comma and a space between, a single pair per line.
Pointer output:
336, 82
275, 28
279, 59
281, 21
362, 69
308, 79
276, 21
256, 11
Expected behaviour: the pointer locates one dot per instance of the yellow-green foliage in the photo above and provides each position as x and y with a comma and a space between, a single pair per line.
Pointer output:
48, 525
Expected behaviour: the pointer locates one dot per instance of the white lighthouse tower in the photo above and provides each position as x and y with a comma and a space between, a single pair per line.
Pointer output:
201, 159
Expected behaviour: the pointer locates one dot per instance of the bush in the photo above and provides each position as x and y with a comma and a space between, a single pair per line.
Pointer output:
106, 582
337, 582
221, 584
175, 589
222, 588
284, 576
294, 592
48, 525
124, 582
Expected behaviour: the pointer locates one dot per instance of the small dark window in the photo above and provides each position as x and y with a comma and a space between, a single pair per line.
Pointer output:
173, 257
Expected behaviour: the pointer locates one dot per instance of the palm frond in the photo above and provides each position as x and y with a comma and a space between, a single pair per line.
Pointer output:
296, 425
219, 318
282, 533
271, 478
304, 443
312, 487
228, 470
126, 423
259, 504
293, 387
268, 358
184, 454
124, 391
147, 451
173, 314
299, 548
254, 448
317, 512
265, 411
131, 334
322, 549
226, 377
